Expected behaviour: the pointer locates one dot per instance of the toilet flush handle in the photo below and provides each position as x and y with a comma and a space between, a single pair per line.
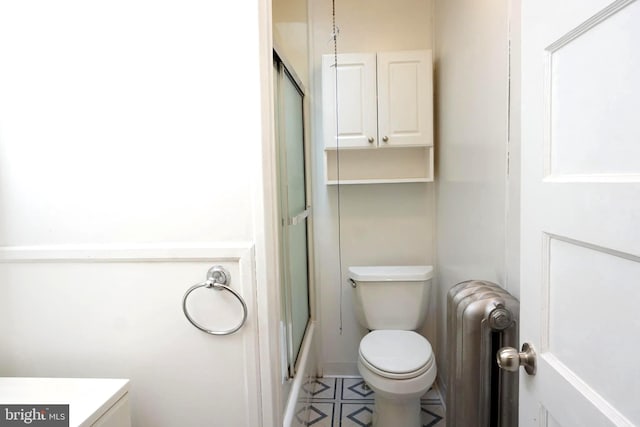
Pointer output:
353, 282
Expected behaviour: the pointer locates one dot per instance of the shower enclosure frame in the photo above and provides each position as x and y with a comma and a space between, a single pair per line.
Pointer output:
293, 332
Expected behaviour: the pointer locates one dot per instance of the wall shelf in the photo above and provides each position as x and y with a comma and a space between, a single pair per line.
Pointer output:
379, 165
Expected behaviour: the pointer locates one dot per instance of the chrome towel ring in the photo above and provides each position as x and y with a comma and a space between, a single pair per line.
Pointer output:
217, 278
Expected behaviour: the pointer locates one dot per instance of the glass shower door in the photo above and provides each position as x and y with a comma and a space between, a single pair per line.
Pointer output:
294, 211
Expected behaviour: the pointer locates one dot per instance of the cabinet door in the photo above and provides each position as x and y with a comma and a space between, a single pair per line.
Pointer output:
354, 107
405, 98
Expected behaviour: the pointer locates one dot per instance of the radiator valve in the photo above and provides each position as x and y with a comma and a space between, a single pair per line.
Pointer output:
500, 318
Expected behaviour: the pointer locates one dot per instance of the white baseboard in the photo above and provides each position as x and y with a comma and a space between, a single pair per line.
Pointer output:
340, 369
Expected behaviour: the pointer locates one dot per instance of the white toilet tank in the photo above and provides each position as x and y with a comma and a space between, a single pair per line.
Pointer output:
391, 297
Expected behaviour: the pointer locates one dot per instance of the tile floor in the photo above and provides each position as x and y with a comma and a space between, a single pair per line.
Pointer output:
344, 402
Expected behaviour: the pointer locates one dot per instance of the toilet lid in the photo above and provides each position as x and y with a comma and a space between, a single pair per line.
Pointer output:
396, 352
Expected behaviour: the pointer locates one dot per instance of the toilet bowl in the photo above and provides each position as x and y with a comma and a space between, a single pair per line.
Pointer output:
399, 367
396, 363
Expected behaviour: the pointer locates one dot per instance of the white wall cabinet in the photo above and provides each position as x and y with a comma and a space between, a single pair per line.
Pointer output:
350, 118
405, 98
381, 107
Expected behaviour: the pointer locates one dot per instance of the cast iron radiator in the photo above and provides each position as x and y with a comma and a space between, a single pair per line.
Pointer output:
481, 318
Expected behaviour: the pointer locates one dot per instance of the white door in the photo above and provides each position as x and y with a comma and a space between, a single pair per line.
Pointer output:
352, 104
405, 98
581, 212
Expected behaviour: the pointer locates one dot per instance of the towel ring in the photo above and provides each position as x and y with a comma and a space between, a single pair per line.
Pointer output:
217, 278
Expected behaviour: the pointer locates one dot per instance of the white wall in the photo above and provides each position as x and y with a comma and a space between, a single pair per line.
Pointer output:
380, 224
118, 315
478, 201
132, 130
290, 34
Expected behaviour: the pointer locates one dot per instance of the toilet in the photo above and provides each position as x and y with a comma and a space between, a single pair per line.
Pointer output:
396, 362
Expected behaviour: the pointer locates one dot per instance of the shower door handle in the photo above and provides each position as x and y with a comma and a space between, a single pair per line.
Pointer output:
295, 220
510, 359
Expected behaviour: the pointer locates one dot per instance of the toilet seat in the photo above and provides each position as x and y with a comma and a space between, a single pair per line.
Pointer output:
396, 354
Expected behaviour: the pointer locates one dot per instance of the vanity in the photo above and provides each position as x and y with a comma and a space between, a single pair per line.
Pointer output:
92, 402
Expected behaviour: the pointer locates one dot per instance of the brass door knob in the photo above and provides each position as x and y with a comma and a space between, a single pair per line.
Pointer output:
385, 138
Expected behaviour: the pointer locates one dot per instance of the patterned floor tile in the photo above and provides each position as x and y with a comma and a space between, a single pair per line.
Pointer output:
321, 388
355, 414
321, 414
432, 415
346, 402
355, 389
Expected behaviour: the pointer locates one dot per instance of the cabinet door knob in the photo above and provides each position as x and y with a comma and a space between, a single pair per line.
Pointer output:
385, 138
371, 139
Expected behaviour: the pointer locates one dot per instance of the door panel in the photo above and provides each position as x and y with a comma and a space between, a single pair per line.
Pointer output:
599, 279
405, 94
591, 100
580, 210
356, 104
